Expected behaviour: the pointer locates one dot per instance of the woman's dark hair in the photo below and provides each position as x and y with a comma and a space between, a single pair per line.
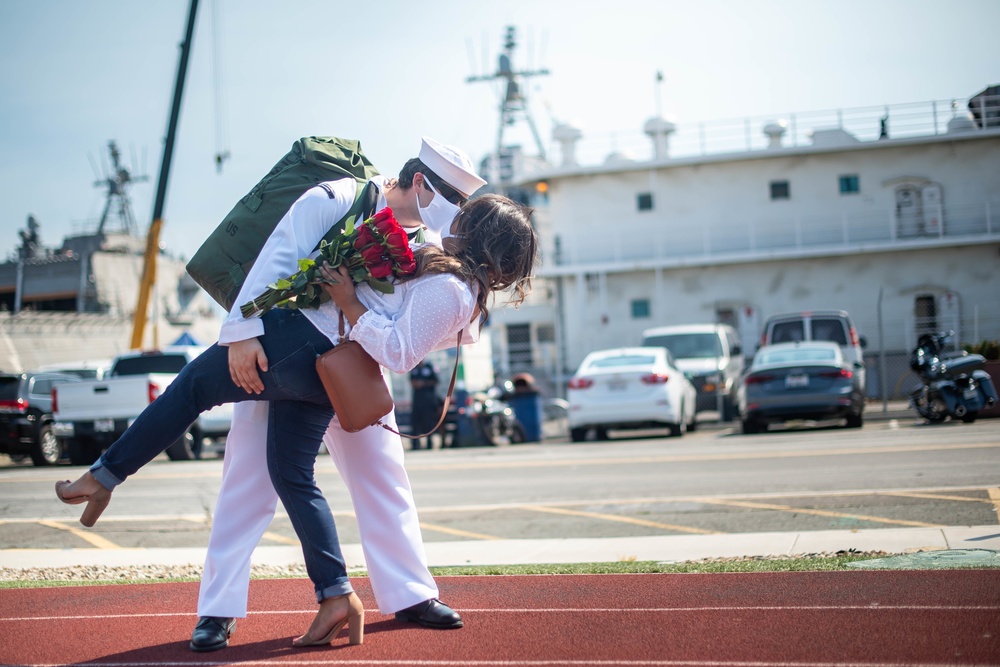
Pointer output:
414, 165
498, 250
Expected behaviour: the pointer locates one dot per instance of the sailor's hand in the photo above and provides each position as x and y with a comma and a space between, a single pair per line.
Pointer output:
245, 357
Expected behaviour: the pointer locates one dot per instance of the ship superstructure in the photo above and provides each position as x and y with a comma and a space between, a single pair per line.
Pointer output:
77, 301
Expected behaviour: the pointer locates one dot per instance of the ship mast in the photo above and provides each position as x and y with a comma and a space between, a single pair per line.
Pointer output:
514, 101
118, 197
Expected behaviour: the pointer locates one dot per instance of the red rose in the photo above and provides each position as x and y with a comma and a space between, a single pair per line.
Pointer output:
372, 253
396, 242
381, 269
385, 214
365, 237
405, 267
405, 256
384, 221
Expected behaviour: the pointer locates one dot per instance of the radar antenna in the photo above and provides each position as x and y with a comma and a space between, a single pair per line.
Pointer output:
118, 203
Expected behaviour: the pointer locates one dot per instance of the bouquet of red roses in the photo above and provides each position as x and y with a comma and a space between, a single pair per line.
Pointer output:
373, 252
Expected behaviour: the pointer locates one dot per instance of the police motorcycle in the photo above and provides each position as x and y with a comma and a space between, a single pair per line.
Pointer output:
953, 385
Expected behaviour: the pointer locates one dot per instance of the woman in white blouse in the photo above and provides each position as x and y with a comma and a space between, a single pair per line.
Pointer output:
492, 248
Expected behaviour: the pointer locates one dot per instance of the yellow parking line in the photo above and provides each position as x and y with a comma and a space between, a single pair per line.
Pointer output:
274, 537
620, 519
800, 510
457, 532
87, 536
694, 458
934, 496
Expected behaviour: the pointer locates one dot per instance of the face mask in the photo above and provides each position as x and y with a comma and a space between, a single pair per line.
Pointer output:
439, 214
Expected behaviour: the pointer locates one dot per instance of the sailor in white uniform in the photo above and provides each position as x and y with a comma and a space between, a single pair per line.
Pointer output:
370, 461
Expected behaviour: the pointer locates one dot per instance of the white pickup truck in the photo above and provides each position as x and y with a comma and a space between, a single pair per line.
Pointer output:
89, 416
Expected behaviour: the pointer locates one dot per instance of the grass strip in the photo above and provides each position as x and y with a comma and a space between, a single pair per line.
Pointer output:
102, 576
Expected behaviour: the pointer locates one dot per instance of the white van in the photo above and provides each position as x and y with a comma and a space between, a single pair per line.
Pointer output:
710, 355
831, 325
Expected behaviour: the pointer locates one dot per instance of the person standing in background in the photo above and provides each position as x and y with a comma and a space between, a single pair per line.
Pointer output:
426, 406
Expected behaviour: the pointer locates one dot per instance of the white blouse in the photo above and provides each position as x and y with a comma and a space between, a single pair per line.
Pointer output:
398, 330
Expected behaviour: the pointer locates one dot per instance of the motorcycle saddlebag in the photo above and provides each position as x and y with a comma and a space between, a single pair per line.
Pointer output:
986, 388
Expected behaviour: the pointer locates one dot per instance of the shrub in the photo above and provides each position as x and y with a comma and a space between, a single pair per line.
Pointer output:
988, 348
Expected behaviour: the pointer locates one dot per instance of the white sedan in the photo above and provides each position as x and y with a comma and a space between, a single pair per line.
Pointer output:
629, 388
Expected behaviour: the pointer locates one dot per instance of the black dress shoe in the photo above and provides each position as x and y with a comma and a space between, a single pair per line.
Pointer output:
431, 614
212, 633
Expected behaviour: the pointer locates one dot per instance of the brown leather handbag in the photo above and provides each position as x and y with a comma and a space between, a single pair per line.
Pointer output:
357, 390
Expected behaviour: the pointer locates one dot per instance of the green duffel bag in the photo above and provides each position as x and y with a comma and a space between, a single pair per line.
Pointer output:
222, 262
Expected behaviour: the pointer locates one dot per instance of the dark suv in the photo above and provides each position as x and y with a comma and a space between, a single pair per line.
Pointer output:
26, 416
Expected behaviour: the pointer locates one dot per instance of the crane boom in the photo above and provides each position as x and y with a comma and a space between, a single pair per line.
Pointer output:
153, 236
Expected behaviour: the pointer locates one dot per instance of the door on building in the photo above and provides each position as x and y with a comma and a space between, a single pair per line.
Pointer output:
909, 211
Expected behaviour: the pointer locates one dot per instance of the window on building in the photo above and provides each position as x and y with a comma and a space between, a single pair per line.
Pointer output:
850, 184
644, 201
640, 309
519, 354
780, 190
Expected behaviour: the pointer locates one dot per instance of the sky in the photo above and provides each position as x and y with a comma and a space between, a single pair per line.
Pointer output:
76, 74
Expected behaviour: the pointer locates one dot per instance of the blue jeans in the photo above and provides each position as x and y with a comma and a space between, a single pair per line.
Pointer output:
299, 415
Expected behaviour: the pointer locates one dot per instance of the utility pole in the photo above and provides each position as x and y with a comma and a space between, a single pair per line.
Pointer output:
153, 236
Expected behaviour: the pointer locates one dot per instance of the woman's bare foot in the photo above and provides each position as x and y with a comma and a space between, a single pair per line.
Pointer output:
85, 489
333, 614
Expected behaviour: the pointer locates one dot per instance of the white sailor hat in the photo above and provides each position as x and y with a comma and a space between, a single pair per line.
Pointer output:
451, 164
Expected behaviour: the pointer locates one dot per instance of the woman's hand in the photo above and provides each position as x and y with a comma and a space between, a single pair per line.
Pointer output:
245, 356
341, 289
340, 286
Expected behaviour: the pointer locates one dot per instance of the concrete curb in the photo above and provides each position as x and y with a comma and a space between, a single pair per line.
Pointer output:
669, 548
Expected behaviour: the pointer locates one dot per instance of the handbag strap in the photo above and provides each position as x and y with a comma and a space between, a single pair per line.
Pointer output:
447, 399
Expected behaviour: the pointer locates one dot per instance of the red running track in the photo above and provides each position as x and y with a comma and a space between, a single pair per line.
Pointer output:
804, 619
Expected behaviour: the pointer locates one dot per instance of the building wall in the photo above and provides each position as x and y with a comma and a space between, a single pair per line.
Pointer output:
714, 206
965, 281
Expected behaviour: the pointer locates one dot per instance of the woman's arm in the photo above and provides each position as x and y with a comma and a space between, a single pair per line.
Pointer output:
434, 309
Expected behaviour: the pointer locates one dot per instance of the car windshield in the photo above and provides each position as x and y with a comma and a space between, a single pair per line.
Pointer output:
8, 388
624, 360
688, 345
796, 356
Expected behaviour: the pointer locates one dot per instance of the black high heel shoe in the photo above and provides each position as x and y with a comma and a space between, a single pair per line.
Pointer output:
97, 501
354, 619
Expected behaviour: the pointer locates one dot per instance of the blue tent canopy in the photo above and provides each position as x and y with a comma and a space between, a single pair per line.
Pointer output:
185, 339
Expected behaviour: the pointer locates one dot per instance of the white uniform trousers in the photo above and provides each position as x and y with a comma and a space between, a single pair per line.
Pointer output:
371, 464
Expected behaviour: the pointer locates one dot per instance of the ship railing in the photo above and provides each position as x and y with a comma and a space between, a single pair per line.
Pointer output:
801, 129
708, 242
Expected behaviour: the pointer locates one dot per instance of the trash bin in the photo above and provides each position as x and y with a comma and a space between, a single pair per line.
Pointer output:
465, 433
526, 403
527, 407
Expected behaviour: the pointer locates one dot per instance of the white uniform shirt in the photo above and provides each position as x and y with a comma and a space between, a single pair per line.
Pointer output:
398, 330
